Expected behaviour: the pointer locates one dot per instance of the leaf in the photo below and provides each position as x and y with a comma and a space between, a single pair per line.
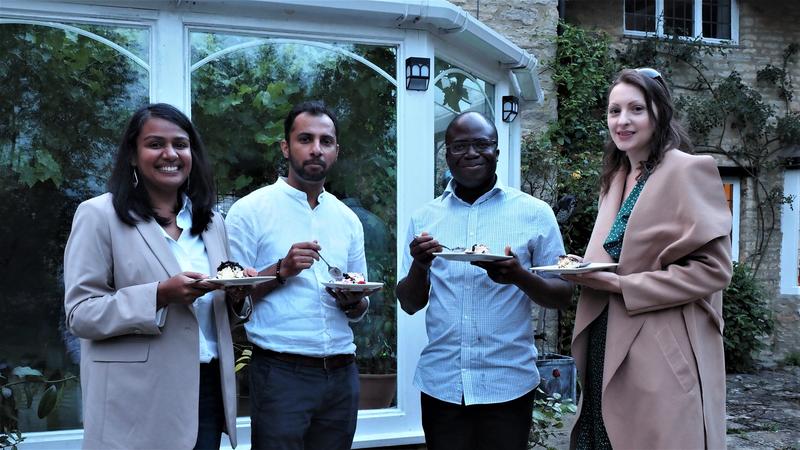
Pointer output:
48, 401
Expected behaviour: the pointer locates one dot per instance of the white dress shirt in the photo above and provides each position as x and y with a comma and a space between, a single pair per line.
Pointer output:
190, 251
298, 317
480, 333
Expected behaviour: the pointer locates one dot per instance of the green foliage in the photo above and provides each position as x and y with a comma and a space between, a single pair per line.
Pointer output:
548, 418
747, 317
65, 100
21, 385
792, 359
567, 158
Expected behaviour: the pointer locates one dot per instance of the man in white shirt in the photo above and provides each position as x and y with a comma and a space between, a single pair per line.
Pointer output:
303, 378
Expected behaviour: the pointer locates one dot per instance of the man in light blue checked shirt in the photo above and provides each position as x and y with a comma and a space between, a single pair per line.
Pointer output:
478, 372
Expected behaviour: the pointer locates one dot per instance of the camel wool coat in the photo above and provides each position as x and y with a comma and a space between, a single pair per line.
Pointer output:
140, 382
664, 371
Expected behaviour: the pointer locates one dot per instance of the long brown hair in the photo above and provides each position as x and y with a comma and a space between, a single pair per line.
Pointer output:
667, 134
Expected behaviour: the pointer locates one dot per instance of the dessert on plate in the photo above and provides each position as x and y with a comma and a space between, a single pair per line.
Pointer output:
353, 278
478, 249
568, 262
230, 269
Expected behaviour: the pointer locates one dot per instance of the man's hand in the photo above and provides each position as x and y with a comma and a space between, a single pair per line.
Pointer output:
300, 257
422, 249
351, 302
503, 272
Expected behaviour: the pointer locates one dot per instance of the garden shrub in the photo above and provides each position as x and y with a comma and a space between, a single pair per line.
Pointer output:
747, 319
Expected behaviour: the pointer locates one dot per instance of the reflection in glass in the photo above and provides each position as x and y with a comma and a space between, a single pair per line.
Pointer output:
65, 99
455, 91
241, 94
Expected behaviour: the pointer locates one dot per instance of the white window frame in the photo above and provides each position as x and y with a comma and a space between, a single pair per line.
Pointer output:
790, 229
697, 30
735, 213
170, 22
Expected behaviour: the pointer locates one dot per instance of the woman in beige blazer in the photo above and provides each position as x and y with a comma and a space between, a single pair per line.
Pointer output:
156, 351
648, 337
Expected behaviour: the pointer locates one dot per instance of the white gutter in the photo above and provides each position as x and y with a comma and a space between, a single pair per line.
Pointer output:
436, 16
447, 21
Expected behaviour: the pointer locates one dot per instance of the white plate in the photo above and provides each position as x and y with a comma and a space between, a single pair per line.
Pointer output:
469, 257
246, 281
593, 267
368, 286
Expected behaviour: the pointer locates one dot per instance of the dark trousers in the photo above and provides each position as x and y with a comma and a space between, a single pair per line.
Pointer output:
211, 409
296, 407
496, 426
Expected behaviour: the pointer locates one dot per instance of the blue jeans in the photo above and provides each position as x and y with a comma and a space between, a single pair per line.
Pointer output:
211, 411
295, 407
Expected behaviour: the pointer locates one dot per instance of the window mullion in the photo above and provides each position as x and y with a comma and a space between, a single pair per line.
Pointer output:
697, 23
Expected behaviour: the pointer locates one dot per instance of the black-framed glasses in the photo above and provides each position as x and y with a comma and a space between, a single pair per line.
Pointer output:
459, 148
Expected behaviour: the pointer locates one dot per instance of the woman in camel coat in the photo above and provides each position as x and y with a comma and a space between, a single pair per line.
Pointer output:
648, 337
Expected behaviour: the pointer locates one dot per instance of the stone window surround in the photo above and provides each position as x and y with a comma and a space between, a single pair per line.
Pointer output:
698, 24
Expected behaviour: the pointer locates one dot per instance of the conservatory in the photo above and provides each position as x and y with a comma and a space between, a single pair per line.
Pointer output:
395, 71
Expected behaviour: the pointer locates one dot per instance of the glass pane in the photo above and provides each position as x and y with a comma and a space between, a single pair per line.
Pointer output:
239, 101
717, 19
679, 17
640, 15
65, 100
455, 91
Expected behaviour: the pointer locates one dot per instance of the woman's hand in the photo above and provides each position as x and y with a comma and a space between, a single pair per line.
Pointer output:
183, 288
601, 280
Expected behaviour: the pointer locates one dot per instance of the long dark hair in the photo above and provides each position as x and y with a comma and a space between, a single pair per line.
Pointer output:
199, 187
667, 134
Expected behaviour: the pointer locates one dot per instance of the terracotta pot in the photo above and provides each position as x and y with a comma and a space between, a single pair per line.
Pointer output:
377, 390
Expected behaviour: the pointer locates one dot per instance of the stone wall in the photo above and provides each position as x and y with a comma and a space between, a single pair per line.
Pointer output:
530, 24
765, 29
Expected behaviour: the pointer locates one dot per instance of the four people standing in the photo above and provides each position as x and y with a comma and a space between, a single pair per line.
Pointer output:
135, 294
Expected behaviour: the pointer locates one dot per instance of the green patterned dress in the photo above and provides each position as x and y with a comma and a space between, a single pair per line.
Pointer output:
591, 429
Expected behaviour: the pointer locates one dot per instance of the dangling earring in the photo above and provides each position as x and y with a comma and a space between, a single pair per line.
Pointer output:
135, 179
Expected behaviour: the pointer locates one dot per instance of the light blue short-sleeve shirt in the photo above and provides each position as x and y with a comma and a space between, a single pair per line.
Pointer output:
480, 333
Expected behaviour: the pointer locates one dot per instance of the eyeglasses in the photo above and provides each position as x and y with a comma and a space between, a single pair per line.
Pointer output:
480, 145
650, 73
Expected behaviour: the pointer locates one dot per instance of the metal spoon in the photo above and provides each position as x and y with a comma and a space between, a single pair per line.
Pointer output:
334, 271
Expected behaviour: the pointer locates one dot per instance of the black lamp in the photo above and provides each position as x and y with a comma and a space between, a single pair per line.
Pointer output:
510, 108
418, 73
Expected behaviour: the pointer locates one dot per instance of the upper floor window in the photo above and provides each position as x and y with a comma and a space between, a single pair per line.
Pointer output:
711, 20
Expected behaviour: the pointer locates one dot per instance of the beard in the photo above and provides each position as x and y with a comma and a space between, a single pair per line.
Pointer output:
299, 168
